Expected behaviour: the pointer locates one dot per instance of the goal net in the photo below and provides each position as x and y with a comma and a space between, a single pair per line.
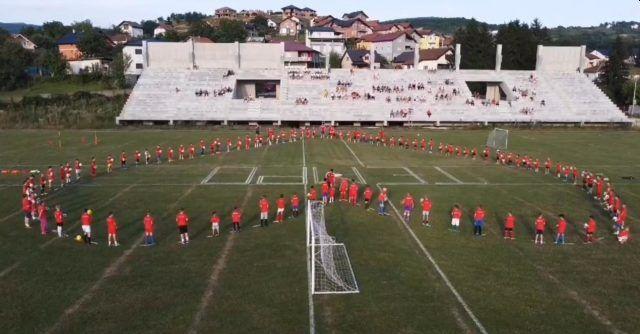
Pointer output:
498, 139
331, 271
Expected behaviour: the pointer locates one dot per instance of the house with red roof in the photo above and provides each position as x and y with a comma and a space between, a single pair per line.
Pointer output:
430, 59
388, 45
300, 56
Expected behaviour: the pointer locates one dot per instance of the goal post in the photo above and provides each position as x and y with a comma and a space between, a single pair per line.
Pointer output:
498, 139
331, 270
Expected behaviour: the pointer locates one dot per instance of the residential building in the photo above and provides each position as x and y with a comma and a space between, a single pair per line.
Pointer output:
300, 56
68, 46
225, 13
308, 12
134, 52
355, 15
120, 39
430, 59
273, 22
360, 59
290, 11
325, 40
130, 28
198, 39
292, 26
161, 30
89, 65
388, 45
430, 40
352, 28
24, 42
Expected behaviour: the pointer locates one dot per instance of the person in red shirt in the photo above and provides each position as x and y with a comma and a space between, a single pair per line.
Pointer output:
382, 202
149, 229
325, 191
236, 217
621, 218
27, 207
332, 194
456, 215
344, 188
478, 221
313, 194
624, 235
59, 216
590, 229
123, 160
182, 219
215, 224
561, 230
192, 151
137, 156
509, 226
426, 210
170, 155
295, 205
408, 203
86, 219
77, 165
264, 211
94, 167
43, 217
51, 177
353, 193
368, 196
158, 154
281, 203
112, 230
541, 225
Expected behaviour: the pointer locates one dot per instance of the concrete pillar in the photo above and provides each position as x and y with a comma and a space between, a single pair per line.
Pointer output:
416, 57
372, 57
539, 58
193, 54
145, 53
238, 60
583, 55
458, 57
498, 57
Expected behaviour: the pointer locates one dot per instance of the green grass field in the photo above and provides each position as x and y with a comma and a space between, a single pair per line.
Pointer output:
257, 281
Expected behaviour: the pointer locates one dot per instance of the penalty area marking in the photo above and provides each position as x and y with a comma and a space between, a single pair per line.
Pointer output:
210, 176
316, 180
261, 178
422, 181
451, 177
207, 180
444, 277
353, 153
358, 175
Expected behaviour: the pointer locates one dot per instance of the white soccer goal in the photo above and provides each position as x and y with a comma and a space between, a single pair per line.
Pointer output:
498, 139
331, 271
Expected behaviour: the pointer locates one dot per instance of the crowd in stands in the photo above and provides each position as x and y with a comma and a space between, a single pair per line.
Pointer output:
313, 75
302, 101
401, 113
216, 92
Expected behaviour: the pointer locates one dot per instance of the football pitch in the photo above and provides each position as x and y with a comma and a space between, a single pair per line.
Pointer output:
411, 279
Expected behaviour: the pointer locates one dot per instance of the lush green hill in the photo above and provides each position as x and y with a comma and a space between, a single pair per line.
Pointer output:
447, 25
15, 28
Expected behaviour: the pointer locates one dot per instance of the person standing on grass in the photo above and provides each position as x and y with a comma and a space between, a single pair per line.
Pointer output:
590, 229
264, 211
215, 224
94, 167
325, 191
478, 221
624, 235
86, 219
59, 216
295, 205
426, 210
353, 193
561, 230
112, 230
621, 218
149, 229
382, 202
332, 194
182, 219
541, 225
313, 194
344, 188
408, 203
456, 215
158, 154
27, 207
43, 213
123, 160
368, 196
281, 203
236, 217
509, 226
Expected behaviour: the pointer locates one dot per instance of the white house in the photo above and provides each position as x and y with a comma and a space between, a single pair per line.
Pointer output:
24, 42
135, 52
130, 28
161, 30
325, 40
430, 59
89, 65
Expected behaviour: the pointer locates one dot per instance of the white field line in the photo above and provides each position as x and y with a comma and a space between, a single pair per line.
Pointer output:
354, 154
251, 175
210, 176
414, 175
453, 178
316, 180
312, 319
217, 270
444, 277
357, 172
110, 271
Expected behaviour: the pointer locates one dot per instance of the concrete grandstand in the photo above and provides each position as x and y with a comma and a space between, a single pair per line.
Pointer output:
190, 83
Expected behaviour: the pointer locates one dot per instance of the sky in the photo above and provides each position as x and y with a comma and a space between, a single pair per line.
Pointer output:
105, 13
